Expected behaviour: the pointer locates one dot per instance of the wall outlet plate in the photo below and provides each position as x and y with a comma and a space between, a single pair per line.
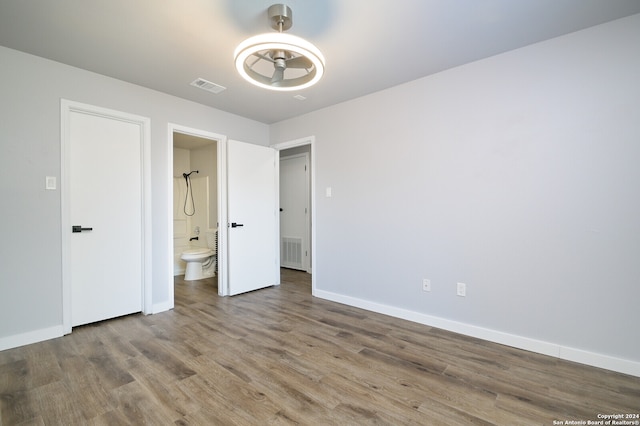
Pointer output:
462, 290
426, 284
50, 182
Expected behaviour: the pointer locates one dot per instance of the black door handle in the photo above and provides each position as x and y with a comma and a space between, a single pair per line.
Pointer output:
235, 225
79, 228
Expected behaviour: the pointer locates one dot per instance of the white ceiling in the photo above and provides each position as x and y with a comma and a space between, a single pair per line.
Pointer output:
369, 45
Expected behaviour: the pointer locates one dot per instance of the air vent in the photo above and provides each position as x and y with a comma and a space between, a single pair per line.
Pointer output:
291, 252
207, 85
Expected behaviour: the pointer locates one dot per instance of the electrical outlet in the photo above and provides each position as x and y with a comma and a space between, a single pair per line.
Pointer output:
462, 289
327, 192
50, 182
426, 284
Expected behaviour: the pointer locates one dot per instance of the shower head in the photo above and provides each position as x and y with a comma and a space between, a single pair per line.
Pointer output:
186, 175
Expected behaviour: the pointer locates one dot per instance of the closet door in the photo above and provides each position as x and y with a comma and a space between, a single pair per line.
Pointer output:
105, 206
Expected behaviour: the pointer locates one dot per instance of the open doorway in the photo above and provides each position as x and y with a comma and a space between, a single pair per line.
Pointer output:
297, 189
194, 208
295, 211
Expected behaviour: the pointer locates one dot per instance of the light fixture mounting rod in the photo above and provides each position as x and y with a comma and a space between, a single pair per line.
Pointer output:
280, 16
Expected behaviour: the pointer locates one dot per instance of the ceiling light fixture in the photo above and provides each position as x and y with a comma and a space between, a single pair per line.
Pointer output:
279, 61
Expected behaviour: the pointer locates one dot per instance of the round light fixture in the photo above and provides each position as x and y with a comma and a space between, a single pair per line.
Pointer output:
279, 61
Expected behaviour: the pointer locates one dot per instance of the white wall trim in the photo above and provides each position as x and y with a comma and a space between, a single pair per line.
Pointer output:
223, 230
545, 348
30, 337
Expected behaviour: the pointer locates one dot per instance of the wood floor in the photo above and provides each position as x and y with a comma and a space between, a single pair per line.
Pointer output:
279, 356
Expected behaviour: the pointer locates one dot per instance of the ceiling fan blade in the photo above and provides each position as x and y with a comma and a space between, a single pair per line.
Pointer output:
278, 75
299, 62
266, 57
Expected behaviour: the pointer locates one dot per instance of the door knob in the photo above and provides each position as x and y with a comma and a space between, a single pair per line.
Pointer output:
235, 225
79, 228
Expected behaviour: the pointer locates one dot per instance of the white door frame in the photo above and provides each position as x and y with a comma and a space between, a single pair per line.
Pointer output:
309, 140
66, 108
222, 211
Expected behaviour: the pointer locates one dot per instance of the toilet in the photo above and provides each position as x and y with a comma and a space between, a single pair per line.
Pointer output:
201, 261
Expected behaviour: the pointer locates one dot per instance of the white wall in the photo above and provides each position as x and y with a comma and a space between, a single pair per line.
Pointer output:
517, 175
205, 160
31, 88
181, 162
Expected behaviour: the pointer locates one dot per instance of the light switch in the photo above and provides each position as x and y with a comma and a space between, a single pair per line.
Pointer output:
50, 182
327, 192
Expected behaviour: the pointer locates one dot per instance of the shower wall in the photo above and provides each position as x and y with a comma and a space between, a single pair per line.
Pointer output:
205, 160
204, 190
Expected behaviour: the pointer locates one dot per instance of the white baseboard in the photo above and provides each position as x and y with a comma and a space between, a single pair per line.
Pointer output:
546, 348
30, 337
35, 336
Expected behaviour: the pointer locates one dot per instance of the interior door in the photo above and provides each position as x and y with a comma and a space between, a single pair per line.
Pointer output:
251, 213
105, 209
294, 211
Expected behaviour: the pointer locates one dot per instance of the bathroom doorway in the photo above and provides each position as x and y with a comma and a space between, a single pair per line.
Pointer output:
194, 207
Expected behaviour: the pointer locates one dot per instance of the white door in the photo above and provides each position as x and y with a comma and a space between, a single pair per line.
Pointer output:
105, 200
251, 213
294, 211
